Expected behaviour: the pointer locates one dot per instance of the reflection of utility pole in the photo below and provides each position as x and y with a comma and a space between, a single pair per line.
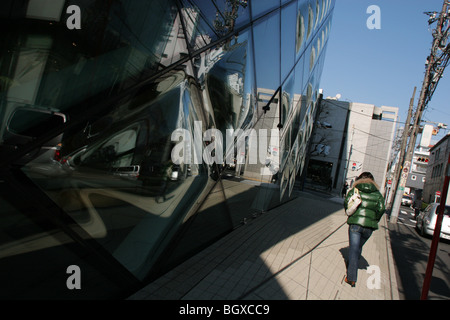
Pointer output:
436, 63
398, 167
225, 21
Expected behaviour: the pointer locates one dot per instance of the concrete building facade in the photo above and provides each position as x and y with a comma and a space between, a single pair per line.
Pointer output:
351, 138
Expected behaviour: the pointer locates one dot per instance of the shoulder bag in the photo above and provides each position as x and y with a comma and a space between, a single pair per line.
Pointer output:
353, 203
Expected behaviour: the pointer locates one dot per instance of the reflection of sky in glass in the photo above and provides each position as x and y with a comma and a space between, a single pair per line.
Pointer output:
273, 65
248, 75
267, 43
262, 6
303, 11
267, 52
288, 34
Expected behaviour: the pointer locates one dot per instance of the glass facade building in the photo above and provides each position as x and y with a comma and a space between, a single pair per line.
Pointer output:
95, 176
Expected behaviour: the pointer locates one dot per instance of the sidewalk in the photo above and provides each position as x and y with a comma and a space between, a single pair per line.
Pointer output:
293, 252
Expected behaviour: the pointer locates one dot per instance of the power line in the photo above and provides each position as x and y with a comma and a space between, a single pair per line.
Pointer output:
362, 114
437, 61
373, 135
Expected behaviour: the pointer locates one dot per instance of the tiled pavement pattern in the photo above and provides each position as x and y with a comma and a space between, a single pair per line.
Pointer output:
293, 252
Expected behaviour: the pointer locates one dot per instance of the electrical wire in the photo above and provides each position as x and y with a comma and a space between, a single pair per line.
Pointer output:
360, 113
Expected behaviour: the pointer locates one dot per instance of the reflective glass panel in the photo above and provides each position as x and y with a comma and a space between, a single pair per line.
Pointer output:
211, 221
300, 80
230, 83
288, 38
35, 255
260, 7
199, 31
234, 13
302, 26
222, 16
310, 21
55, 68
287, 100
117, 177
267, 52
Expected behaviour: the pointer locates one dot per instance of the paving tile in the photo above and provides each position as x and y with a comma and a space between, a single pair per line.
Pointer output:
270, 258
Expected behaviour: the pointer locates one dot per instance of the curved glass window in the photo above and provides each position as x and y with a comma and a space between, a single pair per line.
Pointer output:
318, 46
215, 18
231, 85
323, 38
48, 65
287, 100
289, 38
267, 35
322, 9
117, 177
310, 21
105, 120
300, 31
312, 58
260, 7
316, 23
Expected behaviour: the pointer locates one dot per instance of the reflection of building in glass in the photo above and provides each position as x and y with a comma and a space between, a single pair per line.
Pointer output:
350, 138
87, 117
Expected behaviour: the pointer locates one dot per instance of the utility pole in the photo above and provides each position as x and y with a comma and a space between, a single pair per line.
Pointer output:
398, 167
436, 63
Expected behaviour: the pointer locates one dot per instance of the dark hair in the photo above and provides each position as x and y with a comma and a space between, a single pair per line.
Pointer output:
366, 175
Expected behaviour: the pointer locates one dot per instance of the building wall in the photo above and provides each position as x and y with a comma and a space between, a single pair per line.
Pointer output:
378, 150
359, 133
329, 141
436, 170
104, 142
372, 140
361, 143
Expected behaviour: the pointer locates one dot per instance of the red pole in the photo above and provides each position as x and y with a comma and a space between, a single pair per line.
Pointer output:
436, 234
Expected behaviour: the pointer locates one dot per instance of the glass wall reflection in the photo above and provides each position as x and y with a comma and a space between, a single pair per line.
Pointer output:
92, 121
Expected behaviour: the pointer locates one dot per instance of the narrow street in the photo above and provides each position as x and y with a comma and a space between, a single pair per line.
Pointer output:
411, 253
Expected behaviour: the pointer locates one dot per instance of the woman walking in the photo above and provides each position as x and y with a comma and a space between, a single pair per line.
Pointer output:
364, 221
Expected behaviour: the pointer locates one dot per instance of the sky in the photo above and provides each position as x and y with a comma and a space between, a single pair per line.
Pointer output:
382, 66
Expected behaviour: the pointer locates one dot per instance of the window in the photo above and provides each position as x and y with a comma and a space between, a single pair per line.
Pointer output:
300, 31
310, 22
437, 154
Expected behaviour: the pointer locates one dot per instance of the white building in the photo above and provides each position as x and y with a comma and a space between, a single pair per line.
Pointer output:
351, 138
